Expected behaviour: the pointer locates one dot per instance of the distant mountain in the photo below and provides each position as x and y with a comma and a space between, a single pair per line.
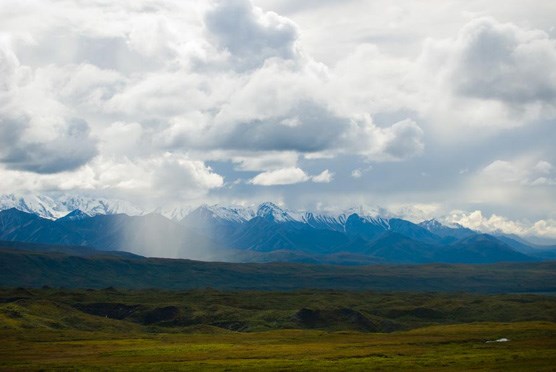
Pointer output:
74, 216
481, 248
268, 233
56, 207
175, 213
523, 246
152, 234
394, 247
449, 233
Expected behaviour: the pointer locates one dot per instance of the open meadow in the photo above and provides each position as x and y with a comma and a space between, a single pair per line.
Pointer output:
51, 329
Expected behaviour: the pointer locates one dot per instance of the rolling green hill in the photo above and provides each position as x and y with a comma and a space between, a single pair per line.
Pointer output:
110, 329
254, 311
24, 268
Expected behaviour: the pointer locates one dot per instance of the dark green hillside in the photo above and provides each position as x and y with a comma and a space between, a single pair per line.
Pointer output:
21, 268
250, 311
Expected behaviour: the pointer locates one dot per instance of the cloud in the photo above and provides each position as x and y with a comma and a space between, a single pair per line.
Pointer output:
290, 176
402, 140
409, 89
504, 62
285, 176
249, 34
265, 161
543, 167
9, 64
500, 170
168, 178
520, 171
38, 133
497, 224
182, 177
491, 74
70, 147
324, 177
356, 173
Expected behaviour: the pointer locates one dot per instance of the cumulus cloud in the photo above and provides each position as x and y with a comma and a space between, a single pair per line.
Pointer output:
70, 147
501, 170
167, 178
90, 92
356, 173
543, 167
521, 172
491, 74
324, 177
402, 140
265, 161
285, 176
497, 224
290, 176
38, 133
249, 34
504, 62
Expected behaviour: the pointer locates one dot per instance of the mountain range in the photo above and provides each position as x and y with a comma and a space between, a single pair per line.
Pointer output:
263, 234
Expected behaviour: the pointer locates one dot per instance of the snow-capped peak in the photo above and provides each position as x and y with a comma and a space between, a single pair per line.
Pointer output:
175, 213
431, 225
52, 207
77, 214
42, 206
231, 213
434, 225
273, 212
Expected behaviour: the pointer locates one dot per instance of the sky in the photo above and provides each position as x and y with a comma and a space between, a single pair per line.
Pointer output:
426, 109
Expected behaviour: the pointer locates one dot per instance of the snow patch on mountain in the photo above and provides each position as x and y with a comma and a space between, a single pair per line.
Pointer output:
56, 207
174, 213
224, 213
75, 216
273, 212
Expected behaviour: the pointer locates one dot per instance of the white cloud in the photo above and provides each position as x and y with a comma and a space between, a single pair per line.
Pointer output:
520, 171
500, 170
324, 177
400, 141
166, 178
504, 62
265, 161
491, 74
497, 224
324, 86
356, 173
285, 176
249, 34
290, 176
543, 167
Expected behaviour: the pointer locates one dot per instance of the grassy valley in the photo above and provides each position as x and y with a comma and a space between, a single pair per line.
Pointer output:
303, 330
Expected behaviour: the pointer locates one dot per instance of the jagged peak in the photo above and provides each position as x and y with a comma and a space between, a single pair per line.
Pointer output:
276, 213
270, 210
217, 211
76, 214
433, 223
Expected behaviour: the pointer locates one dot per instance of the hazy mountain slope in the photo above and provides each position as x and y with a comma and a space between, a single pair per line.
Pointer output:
453, 233
546, 252
21, 268
235, 234
481, 248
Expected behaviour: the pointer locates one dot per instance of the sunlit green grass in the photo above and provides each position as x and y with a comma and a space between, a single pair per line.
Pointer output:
46, 329
454, 347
